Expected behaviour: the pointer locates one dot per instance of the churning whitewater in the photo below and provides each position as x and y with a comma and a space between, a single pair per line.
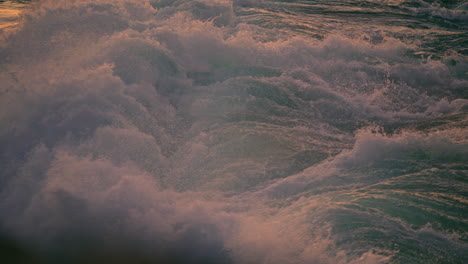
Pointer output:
218, 131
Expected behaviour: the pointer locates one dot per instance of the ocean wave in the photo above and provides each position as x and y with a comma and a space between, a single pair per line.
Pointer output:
175, 131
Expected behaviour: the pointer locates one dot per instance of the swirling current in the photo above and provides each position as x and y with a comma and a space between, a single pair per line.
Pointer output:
233, 131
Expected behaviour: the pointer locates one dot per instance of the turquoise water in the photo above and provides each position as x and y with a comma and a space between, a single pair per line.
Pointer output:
234, 132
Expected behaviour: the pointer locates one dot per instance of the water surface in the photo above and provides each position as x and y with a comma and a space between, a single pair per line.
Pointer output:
241, 131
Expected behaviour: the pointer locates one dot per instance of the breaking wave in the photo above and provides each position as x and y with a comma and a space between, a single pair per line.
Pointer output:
230, 132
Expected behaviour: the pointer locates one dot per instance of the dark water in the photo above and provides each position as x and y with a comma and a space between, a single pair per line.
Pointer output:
234, 132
